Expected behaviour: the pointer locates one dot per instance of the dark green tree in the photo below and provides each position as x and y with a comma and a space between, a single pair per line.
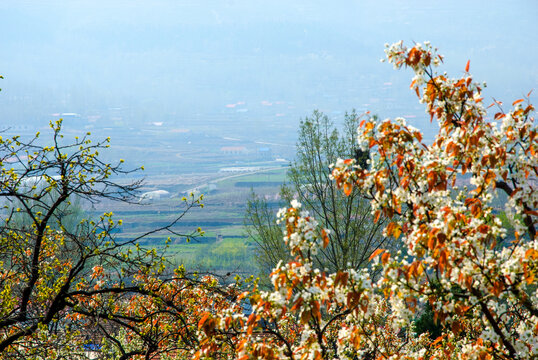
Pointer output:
354, 236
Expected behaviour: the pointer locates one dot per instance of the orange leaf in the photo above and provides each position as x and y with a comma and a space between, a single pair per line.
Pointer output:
305, 317
396, 232
297, 304
385, 258
467, 66
432, 242
529, 277
242, 295
377, 215
531, 253
347, 189
413, 57
439, 339
517, 102
341, 278
252, 319
375, 253
202, 320
443, 260
325, 238
456, 327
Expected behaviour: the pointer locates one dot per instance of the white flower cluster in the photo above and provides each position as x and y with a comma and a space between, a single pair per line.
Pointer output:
450, 228
397, 55
440, 199
306, 237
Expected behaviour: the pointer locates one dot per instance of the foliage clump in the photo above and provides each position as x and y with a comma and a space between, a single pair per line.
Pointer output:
66, 285
483, 297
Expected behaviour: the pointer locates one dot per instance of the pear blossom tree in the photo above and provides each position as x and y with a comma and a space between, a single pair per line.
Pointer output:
439, 199
311, 314
458, 259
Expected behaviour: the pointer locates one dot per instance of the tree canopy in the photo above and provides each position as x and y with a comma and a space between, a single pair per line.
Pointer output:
65, 287
353, 233
438, 198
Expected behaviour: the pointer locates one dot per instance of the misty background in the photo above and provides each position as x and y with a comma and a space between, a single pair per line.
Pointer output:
176, 61
186, 86
207, 95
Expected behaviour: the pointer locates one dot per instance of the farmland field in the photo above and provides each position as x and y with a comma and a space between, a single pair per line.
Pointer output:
224, 246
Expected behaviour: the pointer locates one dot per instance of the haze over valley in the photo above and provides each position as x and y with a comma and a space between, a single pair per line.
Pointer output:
208, 95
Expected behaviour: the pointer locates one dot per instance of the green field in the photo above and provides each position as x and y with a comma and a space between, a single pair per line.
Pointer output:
228, 255
223, 247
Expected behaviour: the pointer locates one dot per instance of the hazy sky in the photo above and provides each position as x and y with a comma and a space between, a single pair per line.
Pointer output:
173, 56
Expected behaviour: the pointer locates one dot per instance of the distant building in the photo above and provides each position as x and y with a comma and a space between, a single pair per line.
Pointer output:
153, 195
233, 150
238, 169
265, 153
